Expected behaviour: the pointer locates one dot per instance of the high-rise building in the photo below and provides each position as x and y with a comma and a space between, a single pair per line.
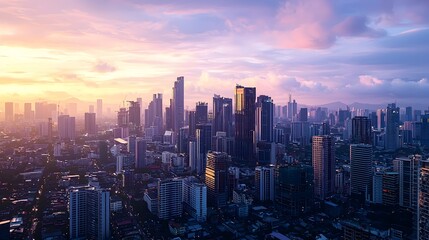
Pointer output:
134, 114
8, 112
392, 126
361, 130
216, 178
123, 119
178, 104
381, 121
409, 114
264, 122
204, 144
201, 113
153, 114
294, 190
99, 109
390, 184
424, 132
360, 169
323, 149
170, 198
222, 115
140, 156
409, 170
28, 113
195, 198
264, 183
303, 115
244, 124
89, 210
90, 126
292, 108
66, 127
423, 201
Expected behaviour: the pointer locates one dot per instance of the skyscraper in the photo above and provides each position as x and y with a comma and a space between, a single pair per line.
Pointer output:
90, 126
204, 143
303, 115
170, 198
222, 115
361, 130
392, 126
134, 114
89, 210
360, 169
423, 201
390, 185
264, 183
140, 156
424, 132
66, 127
292, 108
409, 170
264, 122
123, 119
323, 149
201, 113
216, 178
99, 110
28, 113
244, 124
178, 110
8, 112
381, 121
153, 114
408, 114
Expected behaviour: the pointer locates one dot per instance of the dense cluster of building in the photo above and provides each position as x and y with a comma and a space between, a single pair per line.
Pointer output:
242, 168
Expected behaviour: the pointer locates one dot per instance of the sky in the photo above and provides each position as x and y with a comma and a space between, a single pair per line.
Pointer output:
320, 51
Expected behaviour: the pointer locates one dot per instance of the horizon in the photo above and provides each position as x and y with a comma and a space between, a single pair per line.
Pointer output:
118, 50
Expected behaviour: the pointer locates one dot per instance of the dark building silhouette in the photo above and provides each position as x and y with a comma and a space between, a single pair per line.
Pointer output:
222, 115
424, 119
294, 189
90, 123
392, 126
361, 130
134, 113
244, 124
201, 113
360, 169
303, 115
178, 104
264, 119
204, 144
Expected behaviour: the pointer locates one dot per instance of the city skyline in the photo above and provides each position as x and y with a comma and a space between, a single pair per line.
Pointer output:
320, 51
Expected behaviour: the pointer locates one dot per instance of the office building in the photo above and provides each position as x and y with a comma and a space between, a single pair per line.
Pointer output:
89, 210
424, 131
66, 127
392, 127
201, 113
134, 114
303, 115
360, 169
204, 144
264, 122
153, 114
323, 149
361, 130
222, 115
140, 156
170, 198
264, 183
178, 104
244, 124
391, 188
292, 108
90, 124
294, 190
409, 170
216, 175
28, 112
123, 118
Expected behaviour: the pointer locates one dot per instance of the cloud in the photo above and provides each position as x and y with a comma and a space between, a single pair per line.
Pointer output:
103, 67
